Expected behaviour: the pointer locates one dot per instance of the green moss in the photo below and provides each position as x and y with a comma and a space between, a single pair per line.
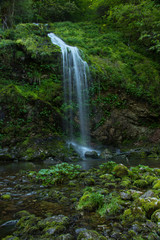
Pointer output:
6, 197
133, 214
107, 167
156, 185
107, 177
156, 216
90, 234
150, 179
54, 230
91, 201
149, 205
65, 237
28, 224
126, 182
120, 170
11, 238
141, 183
111, 207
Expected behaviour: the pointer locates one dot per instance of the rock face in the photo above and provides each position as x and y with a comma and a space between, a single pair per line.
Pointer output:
51, 150
128, 124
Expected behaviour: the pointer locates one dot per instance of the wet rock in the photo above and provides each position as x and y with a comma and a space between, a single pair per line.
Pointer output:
148, 194
90, 235
149, 204
106, 154
50, 160
116, 234
5, 155
156, 216
133, 214
54, 220
136, 227
54, 230
91, 154
125, 196
65, 237
151, 225
78, 230
9, 223
120, 170
135, 194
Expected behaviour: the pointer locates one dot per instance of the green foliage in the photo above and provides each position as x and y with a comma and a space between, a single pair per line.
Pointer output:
114, 64
107, 167
96, 201
138, 20
91, 201
56, 174
112, 206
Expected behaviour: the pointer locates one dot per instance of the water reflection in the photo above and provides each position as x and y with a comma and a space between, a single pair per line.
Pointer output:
15, 167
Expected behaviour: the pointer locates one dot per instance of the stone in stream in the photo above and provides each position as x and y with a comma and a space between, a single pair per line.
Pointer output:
91, 154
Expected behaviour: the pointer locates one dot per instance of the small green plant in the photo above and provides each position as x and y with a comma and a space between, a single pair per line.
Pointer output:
56, 174
107, 167
91, 201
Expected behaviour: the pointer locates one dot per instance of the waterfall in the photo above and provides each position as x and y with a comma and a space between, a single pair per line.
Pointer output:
75, 84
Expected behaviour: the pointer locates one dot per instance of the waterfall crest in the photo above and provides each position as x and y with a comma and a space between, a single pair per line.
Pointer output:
75, 72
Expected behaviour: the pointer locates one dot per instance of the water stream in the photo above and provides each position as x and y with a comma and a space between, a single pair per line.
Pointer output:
75, 74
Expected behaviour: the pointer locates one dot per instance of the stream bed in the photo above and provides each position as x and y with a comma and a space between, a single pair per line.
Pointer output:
40, 200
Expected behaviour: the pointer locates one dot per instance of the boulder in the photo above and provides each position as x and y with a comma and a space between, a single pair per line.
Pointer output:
91, 154
120, 170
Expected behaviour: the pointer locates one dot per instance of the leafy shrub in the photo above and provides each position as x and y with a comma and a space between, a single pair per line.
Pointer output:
55, 174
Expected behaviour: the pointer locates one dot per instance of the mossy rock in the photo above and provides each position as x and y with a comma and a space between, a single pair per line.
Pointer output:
125, 182
11, 238
120, 170
141, 183
6, 197
54, 221
150, 179
90, 201
22, 213
90, 235
131, 215
107, 167
28, 224
149, 205
156, 185
156, 216
65, 237
107, 177
54, 230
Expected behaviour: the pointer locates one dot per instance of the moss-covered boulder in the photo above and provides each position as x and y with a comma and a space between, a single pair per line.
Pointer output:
65, 237
90, 201
149, 205
90, 235
120, 170
156, 216
131, 215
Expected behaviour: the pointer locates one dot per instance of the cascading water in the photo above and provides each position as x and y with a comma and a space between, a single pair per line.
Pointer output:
75, 72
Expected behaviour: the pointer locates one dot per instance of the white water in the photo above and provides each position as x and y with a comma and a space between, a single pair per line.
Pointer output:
81, 150
75, 72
